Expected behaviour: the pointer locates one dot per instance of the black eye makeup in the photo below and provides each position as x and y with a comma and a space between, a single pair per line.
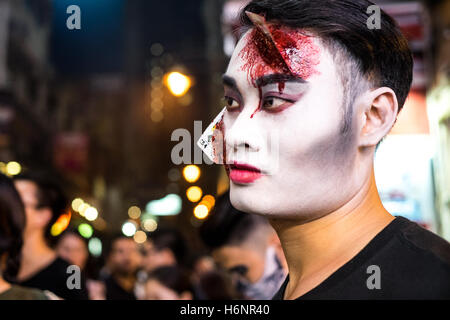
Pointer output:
276, 98
231, 102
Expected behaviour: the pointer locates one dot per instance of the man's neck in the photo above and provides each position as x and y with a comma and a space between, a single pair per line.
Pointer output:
316, 249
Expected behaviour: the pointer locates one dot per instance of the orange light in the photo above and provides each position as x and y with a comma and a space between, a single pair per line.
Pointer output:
61, 224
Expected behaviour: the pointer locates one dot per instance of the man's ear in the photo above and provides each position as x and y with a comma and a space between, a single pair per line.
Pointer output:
379, 115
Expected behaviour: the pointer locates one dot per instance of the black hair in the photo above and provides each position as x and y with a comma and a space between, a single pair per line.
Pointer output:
381, 56
173, 277
49, 195
172, 239
109, 244
227, 225
12, 224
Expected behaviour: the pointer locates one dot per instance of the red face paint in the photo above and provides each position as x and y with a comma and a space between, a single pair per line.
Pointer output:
291, 53
285, 51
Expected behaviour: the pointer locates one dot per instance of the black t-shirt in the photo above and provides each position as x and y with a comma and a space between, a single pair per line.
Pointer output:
54, 278
403, 261
115, 292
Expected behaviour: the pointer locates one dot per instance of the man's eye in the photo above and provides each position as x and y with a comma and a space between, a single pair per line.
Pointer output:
230, 103
273, 102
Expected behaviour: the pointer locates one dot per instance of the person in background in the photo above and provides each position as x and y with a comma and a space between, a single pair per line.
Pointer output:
123, 261
168, 283
12, 223
73, 248
247, 247
202, 263
41, 267
216, 285
164, 247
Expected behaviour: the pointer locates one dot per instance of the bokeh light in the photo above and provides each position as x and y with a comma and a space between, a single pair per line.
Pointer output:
177, 83
129, 229
194, 193
85, 230
191, 173
13, 168
91, 214
76, 203
134, 212
140, 236
201, 211
95, 247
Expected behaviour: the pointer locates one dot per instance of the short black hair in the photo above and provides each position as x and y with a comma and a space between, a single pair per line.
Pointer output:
381, 56
12, 224
227, 225
50, 195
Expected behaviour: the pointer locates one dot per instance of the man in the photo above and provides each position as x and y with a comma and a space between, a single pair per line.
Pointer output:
41, 268
123, 262
247, 247
312, 75
164, 247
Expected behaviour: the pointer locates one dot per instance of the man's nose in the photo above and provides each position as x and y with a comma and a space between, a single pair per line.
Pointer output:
243, 133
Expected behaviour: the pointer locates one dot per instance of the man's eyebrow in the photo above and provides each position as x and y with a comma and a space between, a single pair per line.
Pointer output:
276, 78
229, 82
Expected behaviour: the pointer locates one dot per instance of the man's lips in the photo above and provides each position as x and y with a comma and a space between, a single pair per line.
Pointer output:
243, 173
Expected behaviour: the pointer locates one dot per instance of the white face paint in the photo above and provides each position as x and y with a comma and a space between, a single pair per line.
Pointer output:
308, 173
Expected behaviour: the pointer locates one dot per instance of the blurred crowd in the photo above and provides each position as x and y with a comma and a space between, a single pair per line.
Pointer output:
243, 259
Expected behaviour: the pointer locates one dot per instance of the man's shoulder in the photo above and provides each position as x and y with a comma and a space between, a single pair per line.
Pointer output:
423, 243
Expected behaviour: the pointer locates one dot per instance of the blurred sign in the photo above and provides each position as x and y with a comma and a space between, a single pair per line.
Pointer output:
70, 152
412, 17
403, 174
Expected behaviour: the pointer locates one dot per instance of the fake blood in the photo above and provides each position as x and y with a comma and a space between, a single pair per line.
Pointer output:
288, 52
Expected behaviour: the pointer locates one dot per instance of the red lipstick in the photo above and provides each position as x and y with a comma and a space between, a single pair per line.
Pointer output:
241, 173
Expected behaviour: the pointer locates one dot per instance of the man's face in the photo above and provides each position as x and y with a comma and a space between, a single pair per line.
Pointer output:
242, 263
125, 257
73, 249
154, 258
290, 130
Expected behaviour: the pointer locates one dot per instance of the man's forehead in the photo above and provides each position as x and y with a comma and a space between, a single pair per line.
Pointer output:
287, 51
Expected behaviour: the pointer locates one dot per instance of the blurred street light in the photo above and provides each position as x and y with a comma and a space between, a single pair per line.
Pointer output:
13, 168
129, 229
201, 211
134, 212
91, 214
85, 230
191, 173
177, 83
140, 236
194, 193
